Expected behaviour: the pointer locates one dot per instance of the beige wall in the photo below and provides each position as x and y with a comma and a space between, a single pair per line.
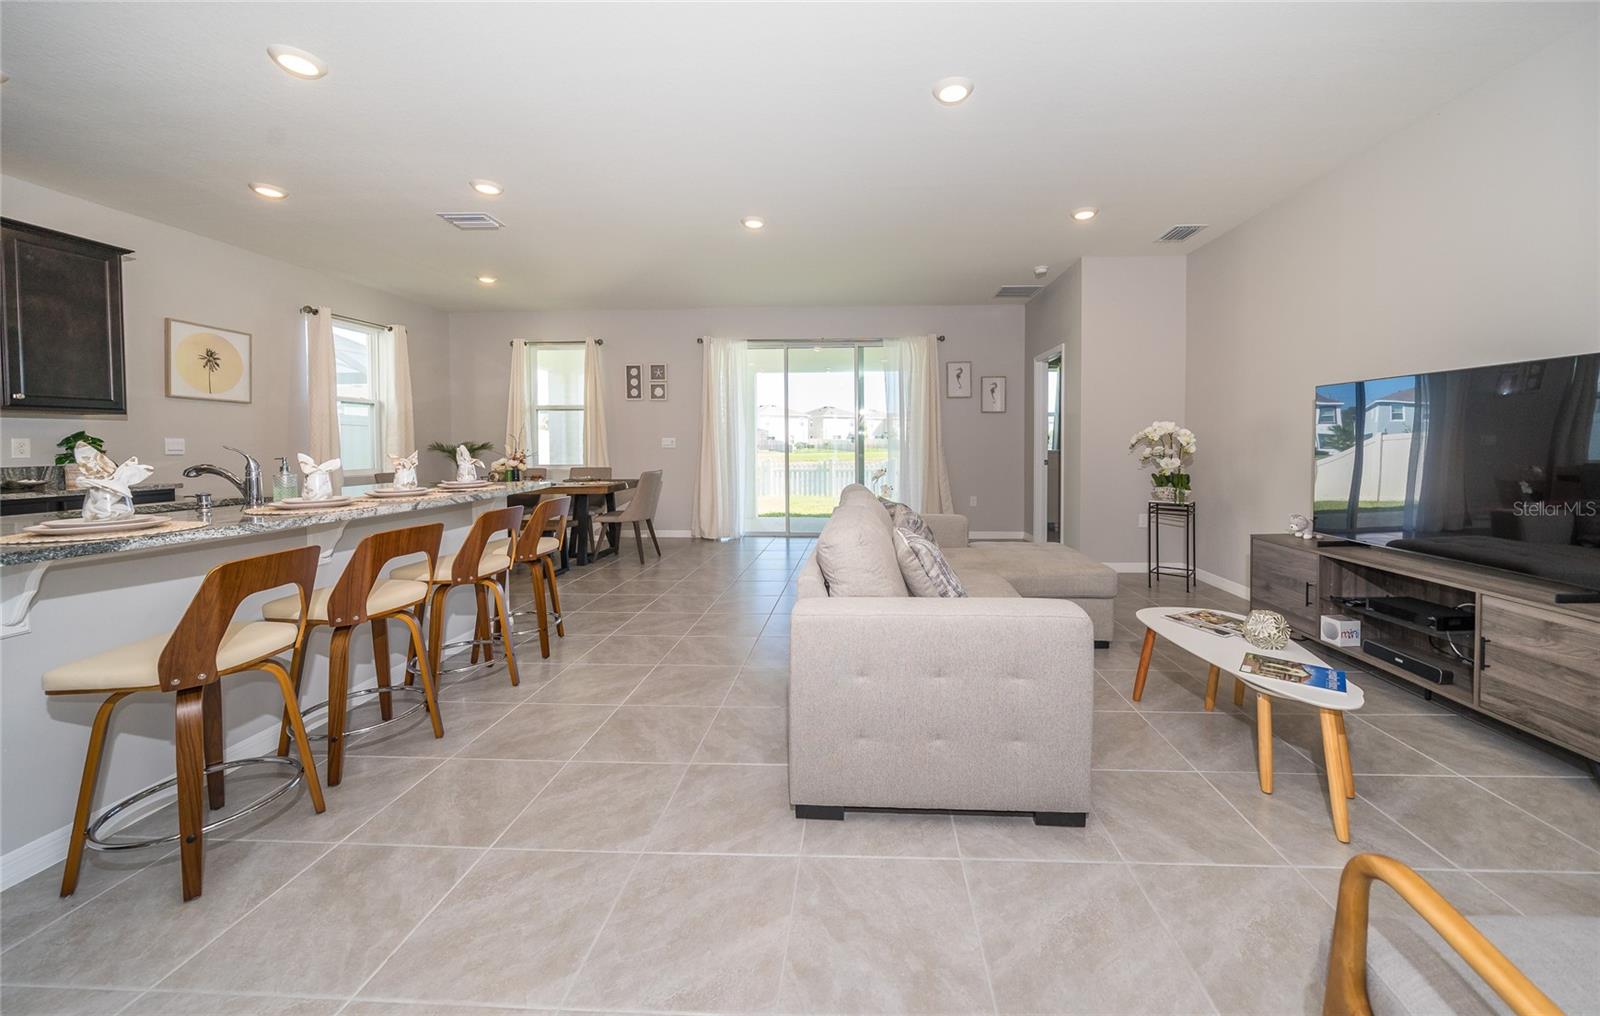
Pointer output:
984, 450
1055, 318
1122, 321
1469, 237
178, 274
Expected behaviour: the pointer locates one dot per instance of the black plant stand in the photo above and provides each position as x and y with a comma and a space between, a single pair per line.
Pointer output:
1168, 513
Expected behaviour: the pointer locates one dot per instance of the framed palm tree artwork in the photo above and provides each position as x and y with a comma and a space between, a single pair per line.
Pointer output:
205, 362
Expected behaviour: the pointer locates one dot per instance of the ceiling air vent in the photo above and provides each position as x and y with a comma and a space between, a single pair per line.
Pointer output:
1016, 292
1178, 234
471, 220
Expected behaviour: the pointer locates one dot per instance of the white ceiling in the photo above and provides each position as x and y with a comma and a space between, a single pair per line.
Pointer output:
631, 139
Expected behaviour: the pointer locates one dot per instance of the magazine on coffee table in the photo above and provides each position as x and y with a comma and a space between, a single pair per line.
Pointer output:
1297, 673
1215, 622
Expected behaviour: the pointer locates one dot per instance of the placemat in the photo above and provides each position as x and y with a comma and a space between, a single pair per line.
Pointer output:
167, 527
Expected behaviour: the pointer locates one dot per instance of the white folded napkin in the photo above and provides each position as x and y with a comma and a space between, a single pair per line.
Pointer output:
319, 477
466, 465
111, 497
92, 462
405, 470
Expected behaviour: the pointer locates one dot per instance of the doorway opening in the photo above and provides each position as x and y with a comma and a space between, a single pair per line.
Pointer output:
1047, 423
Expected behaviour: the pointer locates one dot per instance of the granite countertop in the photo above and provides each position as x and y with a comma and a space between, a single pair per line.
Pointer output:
229, 522
57, 492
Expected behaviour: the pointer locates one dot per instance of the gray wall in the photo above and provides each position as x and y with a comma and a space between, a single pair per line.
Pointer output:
1469, 237
178, 274
1122, 320
984, 450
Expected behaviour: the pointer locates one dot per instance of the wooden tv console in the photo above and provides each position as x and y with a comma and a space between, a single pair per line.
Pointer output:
1529, 661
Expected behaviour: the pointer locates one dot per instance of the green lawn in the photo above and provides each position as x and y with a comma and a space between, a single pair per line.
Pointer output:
1333, 506
824, 454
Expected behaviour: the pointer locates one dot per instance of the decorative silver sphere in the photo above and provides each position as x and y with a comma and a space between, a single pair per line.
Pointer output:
1266, 629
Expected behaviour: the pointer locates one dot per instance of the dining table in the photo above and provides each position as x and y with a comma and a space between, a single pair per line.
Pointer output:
577, 548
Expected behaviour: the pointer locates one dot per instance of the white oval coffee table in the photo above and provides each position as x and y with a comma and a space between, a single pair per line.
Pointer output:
1226, 653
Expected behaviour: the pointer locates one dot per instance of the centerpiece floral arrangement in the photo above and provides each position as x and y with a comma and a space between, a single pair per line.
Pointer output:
1167, 449
511, 466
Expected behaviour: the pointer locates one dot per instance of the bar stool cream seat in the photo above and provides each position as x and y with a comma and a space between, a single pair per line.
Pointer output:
387, 596
205, 646
546, 545
137, 665
361, 596
491, 562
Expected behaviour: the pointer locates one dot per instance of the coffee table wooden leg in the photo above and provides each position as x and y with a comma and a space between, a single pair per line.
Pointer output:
1333, 759
1238, 692
1211, 688
1144, 663
1344, 751
1264, 742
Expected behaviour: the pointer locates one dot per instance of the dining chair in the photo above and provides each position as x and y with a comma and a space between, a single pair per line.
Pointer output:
642, 508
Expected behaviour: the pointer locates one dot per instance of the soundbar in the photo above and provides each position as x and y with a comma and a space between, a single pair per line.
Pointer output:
1423, 669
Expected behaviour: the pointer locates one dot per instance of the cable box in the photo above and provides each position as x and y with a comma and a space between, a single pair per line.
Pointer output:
1414, 611
1422, 668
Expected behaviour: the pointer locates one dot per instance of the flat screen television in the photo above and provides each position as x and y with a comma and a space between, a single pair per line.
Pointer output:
1497, 466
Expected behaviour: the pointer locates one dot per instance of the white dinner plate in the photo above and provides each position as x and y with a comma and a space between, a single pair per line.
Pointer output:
458, 485
308, 502
62, 527
397, 492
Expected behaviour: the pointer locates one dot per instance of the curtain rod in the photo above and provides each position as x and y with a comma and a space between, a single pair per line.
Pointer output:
308, 309
557, 342
702, 339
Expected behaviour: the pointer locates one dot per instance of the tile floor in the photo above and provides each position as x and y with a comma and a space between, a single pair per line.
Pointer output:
614, 836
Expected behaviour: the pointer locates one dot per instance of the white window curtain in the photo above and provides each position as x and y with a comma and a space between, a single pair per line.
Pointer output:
321, 387
594, 407
727, 427
916, 439
392, 365
517, 435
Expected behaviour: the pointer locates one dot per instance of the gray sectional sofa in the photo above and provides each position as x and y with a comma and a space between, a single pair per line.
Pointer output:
977, 703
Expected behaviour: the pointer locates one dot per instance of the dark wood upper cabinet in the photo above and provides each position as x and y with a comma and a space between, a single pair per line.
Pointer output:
63, 327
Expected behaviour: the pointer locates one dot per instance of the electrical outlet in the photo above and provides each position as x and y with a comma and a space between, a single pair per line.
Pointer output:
669, 442
972, 502
1142, 519
21, 448
175, 446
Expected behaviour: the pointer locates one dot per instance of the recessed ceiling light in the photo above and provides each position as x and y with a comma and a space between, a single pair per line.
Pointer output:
270, 191
488, 188
952, 91
487, 280
297, 62
1085, 214
753, 222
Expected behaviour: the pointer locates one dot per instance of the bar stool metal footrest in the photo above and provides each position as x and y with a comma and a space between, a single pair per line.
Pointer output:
95, 842
361, 693
411, 664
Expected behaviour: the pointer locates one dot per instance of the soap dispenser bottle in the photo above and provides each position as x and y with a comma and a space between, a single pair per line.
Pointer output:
285, 485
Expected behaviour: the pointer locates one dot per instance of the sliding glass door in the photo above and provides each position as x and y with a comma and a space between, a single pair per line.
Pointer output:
819, 426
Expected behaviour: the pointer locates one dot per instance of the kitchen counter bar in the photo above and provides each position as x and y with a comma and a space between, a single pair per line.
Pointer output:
231, 523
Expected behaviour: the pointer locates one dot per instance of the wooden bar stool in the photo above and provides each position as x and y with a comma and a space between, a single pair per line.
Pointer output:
206, 646
538, 546
360, 597
475, 565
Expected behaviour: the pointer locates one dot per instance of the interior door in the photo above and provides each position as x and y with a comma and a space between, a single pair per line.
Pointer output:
1052, 444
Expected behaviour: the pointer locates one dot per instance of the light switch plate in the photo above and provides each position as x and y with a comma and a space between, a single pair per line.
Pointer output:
21, 448
669, 442
175, 446
1141, 519
972, 502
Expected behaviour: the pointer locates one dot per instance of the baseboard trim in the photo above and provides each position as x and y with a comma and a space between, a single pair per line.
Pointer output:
1208, 577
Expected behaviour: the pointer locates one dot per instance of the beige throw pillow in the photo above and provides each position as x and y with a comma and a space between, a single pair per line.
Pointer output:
856, 553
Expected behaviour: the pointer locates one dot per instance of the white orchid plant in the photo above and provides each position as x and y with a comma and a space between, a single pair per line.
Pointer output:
1166, 449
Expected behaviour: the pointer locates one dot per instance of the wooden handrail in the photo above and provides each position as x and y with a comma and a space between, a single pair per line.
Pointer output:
1346, 992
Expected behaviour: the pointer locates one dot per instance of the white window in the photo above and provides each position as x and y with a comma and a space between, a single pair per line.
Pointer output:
1327, 414
555, 403
1397, 412
355, 348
